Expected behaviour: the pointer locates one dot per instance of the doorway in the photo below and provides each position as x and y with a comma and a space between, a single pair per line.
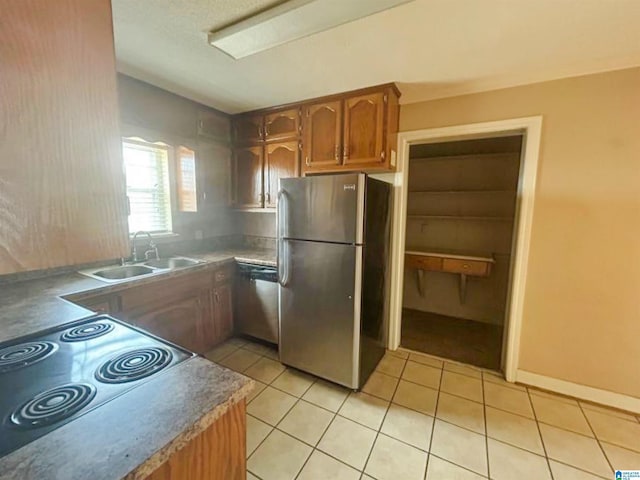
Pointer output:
529, 131
461, 203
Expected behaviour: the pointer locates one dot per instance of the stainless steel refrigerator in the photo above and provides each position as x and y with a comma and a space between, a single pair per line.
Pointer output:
333, 242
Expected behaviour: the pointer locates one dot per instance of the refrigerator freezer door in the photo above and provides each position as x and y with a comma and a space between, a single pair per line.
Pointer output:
320, 310
325, 208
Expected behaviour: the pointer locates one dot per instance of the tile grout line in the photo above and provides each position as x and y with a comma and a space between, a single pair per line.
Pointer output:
595, 435
433, 424
434, 417
315, 447
384, 417
544, 447
378, 431
486, 430
275, 427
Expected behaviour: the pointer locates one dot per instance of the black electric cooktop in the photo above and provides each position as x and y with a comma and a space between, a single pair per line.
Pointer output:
52, 377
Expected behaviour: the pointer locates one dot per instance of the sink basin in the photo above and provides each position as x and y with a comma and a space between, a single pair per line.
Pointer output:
120, 273
172, 262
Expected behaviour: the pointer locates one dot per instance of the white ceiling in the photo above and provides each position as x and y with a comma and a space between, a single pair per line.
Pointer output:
430, 48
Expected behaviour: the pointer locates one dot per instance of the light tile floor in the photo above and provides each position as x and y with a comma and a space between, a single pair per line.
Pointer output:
421, 417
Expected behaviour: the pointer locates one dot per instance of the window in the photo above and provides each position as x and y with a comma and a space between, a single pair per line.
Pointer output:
148, 185
186, 180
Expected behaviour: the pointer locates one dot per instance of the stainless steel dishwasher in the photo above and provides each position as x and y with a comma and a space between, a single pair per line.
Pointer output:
257, 301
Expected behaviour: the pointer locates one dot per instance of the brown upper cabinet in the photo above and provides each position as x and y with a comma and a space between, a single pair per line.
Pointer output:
358, 131
282, 160
322, 135
363, 131
353, 131
283, 125
248, 177
262, 157
248, 129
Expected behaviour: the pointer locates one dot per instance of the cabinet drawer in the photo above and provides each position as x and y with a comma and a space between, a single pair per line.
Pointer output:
223, 275
423, 262
468, 267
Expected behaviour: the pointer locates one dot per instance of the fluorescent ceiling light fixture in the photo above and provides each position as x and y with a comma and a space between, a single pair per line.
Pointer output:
290, 21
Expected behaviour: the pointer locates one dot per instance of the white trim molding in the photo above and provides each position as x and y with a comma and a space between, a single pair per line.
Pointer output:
531, 128
582, 392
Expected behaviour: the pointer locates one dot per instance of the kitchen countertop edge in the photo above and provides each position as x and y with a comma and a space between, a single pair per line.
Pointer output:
30, 306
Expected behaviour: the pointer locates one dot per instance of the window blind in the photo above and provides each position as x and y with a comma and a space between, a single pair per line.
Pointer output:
148, 188
186, 181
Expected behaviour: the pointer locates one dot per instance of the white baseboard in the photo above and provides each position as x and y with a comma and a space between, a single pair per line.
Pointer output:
583, 392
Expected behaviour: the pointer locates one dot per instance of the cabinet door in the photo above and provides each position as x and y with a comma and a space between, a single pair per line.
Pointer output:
223, 311
214, 126
282, 160
108, 304
182, 322
248, 129
62, 199
214, 174
282, 125
248, 164
322, 131
364, 129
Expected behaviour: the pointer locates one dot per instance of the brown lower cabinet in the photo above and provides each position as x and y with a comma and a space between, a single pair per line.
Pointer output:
218, 453
192, 310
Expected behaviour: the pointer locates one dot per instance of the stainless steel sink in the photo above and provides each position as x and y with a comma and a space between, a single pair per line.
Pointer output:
172, 262
136, 270
121, 273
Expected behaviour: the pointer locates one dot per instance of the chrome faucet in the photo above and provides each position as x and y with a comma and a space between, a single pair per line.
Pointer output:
153, 249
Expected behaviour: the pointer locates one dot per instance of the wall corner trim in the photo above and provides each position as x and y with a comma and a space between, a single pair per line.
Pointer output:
582, 392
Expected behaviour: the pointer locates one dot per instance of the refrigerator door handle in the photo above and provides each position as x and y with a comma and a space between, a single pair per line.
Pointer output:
282, 250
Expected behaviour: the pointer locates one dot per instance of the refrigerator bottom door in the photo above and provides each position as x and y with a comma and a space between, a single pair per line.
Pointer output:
320, 310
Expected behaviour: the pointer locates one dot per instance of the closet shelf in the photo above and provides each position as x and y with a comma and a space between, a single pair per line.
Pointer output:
461, 217
438, 192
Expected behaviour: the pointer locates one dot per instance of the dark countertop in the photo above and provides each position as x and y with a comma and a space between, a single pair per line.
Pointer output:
33, 305
130, 436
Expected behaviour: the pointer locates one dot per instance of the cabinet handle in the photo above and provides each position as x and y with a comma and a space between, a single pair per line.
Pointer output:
260, 131
345, 152
307, 161
266, 130
216, 297
382, 155
337, 154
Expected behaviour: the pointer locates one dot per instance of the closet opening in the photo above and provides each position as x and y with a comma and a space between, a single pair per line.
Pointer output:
462, 200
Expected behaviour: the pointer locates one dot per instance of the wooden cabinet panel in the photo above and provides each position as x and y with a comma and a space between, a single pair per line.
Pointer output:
214, 126
322, 131
282, 160
224, 274
213, 174
283, 125
176, 309
223, 311
423, 262
108, 304
62, 200
248, 129
364, 130
248, 172
182, 322
468, 267
218, 453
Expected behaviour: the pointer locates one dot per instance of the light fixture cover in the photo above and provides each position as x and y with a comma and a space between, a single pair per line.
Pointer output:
290, 21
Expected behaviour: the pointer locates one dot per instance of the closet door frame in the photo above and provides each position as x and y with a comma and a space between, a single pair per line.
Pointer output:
530, 128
